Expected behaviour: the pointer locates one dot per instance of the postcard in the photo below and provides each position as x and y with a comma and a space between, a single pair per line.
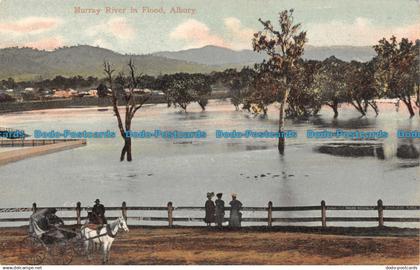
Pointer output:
192, 132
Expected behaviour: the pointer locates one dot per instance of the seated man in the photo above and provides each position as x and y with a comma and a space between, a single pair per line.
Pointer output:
44, 224
98, 212
54, 222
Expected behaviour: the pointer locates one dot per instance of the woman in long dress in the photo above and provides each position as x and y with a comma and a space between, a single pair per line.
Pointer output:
220, 210
235, 214
210, 209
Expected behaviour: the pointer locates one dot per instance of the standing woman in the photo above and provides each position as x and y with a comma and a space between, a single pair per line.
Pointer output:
235, 214
210, 209
220, 210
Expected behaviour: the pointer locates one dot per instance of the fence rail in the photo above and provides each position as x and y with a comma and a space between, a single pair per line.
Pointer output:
323, 218
33, 142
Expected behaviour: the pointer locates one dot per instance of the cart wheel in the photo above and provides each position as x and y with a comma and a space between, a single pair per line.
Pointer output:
79, 247
62, 253
32, 250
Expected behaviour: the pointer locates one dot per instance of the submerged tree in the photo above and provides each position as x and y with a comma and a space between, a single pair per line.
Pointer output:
123, 89
360, 90
238, 84
182, 88
329, 81
284, 48
304, 100
418, 74
396, 69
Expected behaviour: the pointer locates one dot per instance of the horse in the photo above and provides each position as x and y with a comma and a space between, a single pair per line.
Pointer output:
104, 237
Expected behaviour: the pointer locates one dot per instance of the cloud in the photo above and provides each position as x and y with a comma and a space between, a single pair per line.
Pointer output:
196, 34
116, 27
29, 25
48, 43
360, 32
240, 37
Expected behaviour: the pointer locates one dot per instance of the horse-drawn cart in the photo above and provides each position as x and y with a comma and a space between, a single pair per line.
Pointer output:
49, 238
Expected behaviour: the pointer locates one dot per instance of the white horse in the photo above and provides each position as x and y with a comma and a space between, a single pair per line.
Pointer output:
104, 238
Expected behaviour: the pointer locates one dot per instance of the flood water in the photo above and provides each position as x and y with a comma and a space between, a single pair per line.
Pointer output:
184, 170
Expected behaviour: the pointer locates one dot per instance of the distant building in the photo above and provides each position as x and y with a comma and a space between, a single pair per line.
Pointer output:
68, 93
139, 91
157, 93
93, 92
28, 89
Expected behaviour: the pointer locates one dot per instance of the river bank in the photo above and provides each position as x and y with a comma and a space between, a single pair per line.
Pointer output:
254, 246
27, 152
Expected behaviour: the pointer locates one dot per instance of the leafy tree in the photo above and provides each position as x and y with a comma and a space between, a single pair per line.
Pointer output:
284, 48
263, 91
177, 92
303, 100
360, 86
238, 84
102, 90
396, 69
200, 87
182, 88
329, 82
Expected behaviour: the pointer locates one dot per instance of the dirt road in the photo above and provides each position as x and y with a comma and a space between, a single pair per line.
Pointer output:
248, 246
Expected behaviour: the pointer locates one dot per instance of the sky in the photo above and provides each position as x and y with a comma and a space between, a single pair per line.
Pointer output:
48, 24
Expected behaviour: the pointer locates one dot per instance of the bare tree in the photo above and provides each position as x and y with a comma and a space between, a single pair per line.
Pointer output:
132, 102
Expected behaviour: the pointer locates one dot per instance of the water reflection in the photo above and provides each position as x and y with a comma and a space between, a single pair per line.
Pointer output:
352, 149
351, 123
407, 151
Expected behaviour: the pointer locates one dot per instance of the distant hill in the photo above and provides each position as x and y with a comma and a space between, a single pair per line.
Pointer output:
27, 63
212, 55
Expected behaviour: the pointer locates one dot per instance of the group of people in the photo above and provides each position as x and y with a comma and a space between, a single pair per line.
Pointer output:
215, 210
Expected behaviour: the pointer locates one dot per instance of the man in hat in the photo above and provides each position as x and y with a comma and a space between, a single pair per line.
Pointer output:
220, 210
98, 211
210, 209
235, 214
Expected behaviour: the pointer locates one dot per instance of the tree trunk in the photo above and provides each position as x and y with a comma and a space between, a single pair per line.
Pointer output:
374, 106
334, 106
126, 150
418, 98
281, 143
358, 107
203, 107
409, 106
335, 109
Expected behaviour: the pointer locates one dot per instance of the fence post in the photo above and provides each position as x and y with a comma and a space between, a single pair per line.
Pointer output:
323, 214
34, 207
78, 211
380, 213
124, 210
170, 216
270, 213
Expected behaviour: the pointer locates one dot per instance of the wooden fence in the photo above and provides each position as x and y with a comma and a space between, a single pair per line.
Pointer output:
323, 218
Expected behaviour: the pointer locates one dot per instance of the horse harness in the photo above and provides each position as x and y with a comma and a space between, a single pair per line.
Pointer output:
108, 232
